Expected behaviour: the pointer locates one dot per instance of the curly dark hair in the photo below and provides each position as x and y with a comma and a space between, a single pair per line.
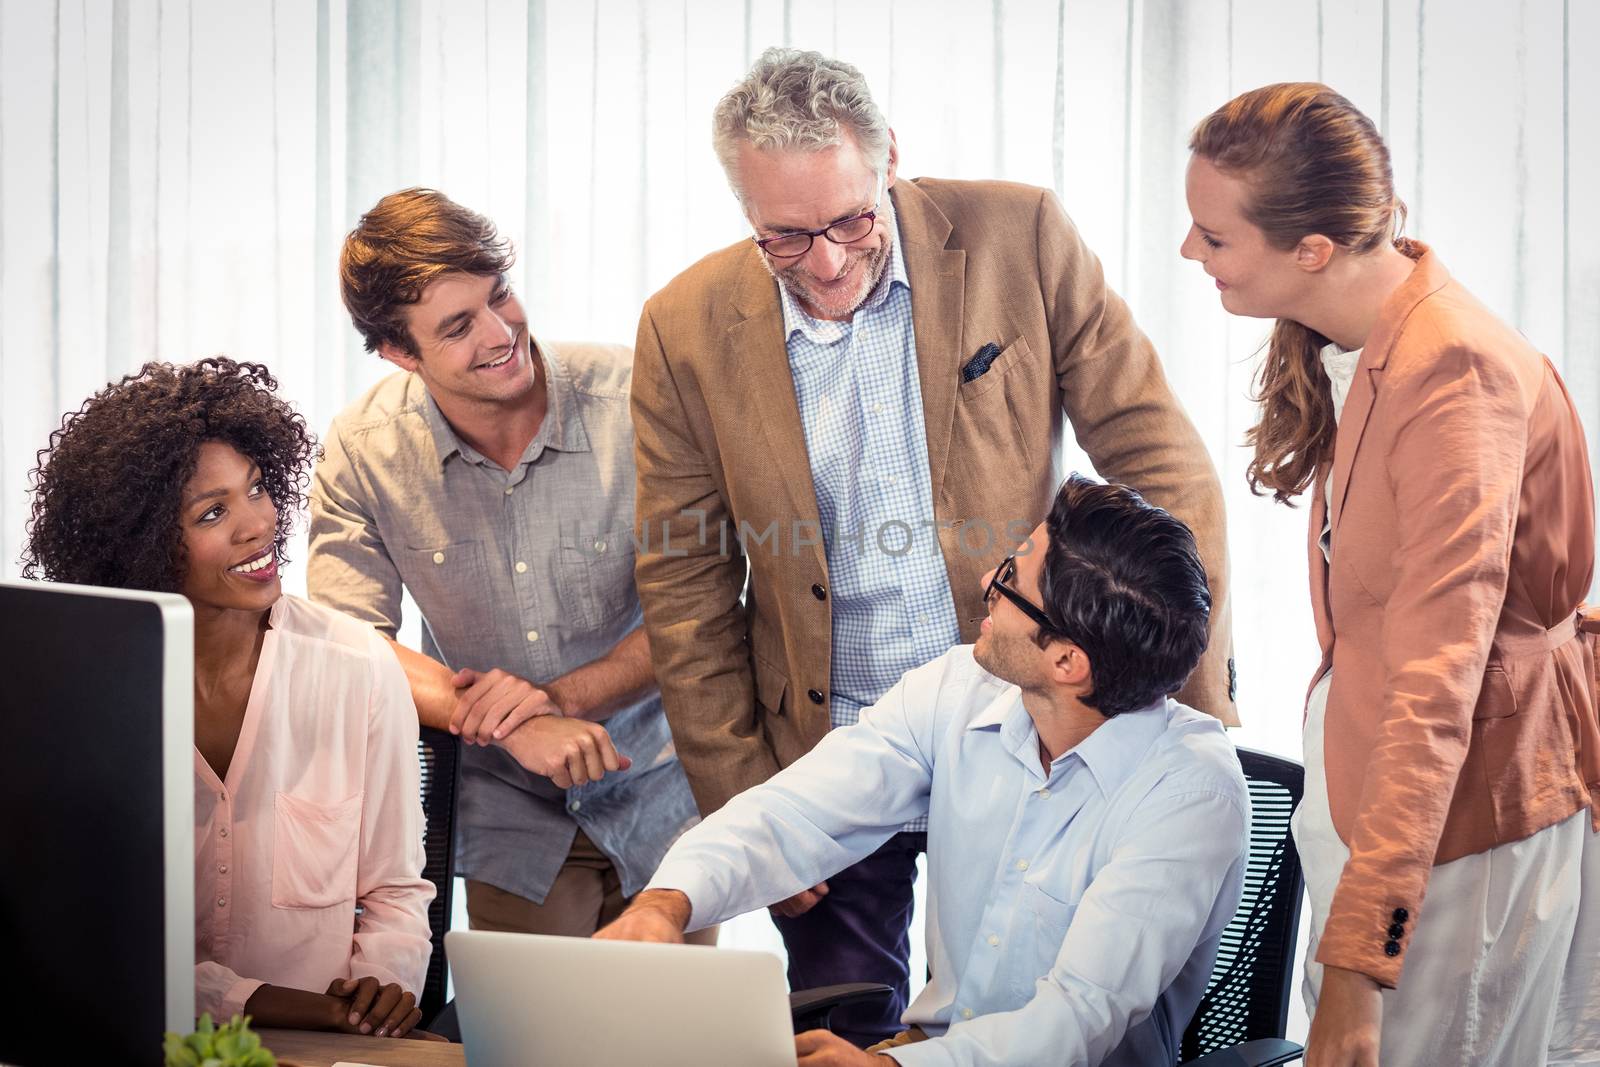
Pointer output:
107, 490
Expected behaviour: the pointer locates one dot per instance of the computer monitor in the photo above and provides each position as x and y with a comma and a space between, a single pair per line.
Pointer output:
96, 823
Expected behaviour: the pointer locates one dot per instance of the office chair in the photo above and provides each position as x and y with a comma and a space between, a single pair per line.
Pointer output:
1245, 1009
439, 753
1242, 1016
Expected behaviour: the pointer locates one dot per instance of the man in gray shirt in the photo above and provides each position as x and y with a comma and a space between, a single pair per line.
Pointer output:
493, 480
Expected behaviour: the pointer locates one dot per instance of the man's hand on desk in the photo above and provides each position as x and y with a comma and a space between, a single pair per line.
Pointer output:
569, 752
491, 704
655, 915
819, 1048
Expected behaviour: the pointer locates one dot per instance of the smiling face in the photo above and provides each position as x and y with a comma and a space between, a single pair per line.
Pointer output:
229, 527
471, 336
1254, 278
786, 191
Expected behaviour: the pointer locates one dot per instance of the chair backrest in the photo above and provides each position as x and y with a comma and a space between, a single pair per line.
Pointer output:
440, 755
1248, 995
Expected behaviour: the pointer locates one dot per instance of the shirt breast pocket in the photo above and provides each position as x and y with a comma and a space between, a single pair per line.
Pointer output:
314, 852
595, 577
1039, 930
451, 586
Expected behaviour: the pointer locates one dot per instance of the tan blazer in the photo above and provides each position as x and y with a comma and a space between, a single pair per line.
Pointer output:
1463, 540
719, 443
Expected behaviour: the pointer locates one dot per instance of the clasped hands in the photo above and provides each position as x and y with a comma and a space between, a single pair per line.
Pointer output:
498, 707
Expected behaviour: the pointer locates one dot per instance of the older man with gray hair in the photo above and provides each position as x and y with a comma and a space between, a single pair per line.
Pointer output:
840, 426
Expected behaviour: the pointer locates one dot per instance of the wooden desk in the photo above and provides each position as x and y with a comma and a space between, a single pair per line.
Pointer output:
307, 1048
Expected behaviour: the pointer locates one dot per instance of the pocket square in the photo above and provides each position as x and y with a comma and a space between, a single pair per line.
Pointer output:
978, 365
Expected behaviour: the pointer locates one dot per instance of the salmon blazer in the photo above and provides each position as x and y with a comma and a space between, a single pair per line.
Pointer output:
745, 671
1463, 541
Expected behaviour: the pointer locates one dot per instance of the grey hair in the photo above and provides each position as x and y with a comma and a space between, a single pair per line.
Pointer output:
799, 101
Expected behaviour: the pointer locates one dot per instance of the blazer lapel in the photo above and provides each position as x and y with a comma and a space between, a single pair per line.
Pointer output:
761, 368
1426, 278
938, 288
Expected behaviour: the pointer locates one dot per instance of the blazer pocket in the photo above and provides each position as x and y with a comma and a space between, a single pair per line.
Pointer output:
1497, 699
1015, 353
770, 685
314, 852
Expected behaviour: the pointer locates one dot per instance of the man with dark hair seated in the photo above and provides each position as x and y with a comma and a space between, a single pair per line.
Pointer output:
1087, 834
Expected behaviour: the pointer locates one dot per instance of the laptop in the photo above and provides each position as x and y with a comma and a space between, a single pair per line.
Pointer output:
527, 1000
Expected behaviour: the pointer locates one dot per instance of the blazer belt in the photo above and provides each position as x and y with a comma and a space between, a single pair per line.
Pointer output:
1548, 641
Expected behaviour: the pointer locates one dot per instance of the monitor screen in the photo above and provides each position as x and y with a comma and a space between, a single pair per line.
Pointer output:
97, 835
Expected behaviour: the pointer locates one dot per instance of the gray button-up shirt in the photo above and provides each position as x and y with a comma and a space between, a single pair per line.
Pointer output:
529, 570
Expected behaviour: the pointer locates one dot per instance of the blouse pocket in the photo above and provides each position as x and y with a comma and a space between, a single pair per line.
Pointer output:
314, 852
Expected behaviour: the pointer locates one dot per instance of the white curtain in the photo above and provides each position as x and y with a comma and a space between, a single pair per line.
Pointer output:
176, 175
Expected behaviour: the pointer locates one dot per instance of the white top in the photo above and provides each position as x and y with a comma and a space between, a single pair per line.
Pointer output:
1340, 366
320, 815
1074, 911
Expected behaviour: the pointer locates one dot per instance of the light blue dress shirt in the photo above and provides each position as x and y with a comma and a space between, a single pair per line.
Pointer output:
860, 398
1074, 912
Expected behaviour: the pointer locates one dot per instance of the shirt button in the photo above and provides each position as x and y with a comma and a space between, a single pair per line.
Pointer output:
994, 939
966, 1013
438, 557
1044, 794
599, 546
223, 831
922, 618
533, 635
877, 409
222, 869
1022, 865
574, 805
522, 568
509, 490
222, 902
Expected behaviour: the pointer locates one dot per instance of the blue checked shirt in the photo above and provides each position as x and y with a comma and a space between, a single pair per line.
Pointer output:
861, 408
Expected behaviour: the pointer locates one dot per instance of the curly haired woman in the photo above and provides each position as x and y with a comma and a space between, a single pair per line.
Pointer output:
310, 912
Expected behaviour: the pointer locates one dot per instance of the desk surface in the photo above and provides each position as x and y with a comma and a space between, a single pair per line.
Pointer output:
307, 1048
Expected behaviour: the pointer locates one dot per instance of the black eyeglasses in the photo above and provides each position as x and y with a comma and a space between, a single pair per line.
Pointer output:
1005, 573
844, 232
795, 245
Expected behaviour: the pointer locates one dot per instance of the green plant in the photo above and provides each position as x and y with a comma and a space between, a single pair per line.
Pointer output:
233, 1044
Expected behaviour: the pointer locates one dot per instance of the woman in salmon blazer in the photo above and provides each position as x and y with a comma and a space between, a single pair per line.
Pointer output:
1446, 832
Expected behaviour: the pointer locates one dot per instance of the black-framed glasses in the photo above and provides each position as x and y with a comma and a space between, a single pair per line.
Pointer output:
795, 245
844, 232
1006, 573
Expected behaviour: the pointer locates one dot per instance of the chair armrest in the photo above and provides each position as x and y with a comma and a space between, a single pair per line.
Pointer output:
810, 1008
1267, 1052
